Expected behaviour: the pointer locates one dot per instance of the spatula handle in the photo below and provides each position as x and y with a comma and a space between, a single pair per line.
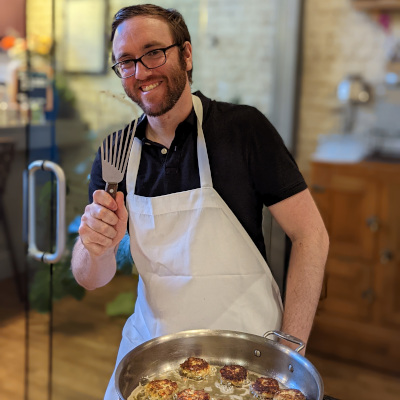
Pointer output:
112, 188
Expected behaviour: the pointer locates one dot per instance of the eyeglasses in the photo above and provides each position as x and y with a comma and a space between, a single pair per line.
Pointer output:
151, 60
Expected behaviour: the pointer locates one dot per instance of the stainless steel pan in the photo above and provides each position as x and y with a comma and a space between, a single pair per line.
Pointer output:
218, 347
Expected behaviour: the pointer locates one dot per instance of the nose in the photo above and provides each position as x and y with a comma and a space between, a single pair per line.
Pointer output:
141, 71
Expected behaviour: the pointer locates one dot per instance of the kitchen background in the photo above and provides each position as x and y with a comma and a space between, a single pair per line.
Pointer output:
327, 75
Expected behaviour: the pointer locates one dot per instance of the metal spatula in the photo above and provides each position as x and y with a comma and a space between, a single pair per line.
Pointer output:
114, 164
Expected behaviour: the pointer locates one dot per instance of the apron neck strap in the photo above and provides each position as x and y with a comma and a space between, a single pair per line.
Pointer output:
202, 156
204, 164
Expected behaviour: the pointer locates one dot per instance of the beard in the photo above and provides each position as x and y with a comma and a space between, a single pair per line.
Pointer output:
175, 85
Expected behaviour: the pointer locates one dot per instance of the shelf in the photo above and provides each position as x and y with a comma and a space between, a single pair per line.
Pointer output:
377, 5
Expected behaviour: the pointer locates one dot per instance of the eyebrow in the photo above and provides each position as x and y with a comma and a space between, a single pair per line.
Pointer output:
152, 44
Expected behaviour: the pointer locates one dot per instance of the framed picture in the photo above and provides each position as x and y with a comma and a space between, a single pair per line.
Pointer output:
85, 41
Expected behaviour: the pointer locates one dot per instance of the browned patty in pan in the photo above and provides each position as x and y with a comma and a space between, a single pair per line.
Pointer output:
289, 394
194, 367
191, 394
160, 389
233, 374
264, 388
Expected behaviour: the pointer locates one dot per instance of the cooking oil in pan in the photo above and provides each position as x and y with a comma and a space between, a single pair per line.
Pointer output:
210, 384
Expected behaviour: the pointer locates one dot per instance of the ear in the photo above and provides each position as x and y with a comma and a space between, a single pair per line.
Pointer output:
187, 55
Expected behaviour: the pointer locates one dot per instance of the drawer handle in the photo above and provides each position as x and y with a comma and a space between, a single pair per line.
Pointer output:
318, 188
386, 256
368, 295
373, 223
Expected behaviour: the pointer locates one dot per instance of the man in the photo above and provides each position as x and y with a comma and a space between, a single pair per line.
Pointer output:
199, 173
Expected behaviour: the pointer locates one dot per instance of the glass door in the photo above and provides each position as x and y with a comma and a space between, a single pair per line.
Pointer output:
72, 334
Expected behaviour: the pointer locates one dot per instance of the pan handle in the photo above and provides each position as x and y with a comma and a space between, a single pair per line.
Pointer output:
287, 337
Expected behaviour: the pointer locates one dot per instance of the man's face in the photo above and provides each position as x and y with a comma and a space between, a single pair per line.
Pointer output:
156, 91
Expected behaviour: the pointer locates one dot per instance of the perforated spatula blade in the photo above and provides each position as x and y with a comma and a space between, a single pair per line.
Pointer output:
115, 151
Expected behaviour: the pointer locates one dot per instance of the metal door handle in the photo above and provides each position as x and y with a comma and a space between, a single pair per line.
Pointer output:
33, 251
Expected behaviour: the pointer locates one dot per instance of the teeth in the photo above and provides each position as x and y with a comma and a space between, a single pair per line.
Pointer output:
150, 87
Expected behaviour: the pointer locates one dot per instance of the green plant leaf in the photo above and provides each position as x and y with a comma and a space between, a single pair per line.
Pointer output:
123, 304
39, 292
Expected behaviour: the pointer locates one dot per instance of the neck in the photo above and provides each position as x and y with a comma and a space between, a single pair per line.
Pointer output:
162, 129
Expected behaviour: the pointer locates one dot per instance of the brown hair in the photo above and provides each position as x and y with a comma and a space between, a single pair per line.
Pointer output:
172, 17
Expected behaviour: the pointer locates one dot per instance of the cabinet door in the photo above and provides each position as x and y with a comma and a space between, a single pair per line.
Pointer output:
349, 291
388, 270
348, 203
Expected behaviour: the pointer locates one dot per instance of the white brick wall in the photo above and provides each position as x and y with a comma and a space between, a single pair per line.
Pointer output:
232, 59
236, 52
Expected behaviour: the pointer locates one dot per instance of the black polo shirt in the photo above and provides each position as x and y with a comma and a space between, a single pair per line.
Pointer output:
250, 165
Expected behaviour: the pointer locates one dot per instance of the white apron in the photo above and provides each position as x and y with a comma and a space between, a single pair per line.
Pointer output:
198, 267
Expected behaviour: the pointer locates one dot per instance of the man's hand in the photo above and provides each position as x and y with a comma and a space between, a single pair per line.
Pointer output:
104, 222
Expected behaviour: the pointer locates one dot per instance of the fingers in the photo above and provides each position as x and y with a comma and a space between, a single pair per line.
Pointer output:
95, 242
103, 198
103, 223
104, 226
100, 213
96, 249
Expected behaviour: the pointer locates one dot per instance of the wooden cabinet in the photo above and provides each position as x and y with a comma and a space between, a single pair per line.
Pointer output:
359, 317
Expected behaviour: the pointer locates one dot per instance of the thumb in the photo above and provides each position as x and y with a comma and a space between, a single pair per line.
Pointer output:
121, 211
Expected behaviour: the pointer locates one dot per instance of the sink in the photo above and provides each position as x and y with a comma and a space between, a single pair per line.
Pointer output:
339, 147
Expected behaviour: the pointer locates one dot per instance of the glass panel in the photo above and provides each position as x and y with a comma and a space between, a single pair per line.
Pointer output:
22, 90
39, 280
12, 250
87, 325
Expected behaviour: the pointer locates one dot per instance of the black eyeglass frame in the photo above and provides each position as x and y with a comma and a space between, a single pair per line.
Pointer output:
164, 49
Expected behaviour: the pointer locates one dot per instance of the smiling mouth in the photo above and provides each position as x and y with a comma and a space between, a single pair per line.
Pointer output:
148, 88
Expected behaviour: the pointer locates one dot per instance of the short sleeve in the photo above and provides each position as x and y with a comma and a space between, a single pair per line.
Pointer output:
273, 169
